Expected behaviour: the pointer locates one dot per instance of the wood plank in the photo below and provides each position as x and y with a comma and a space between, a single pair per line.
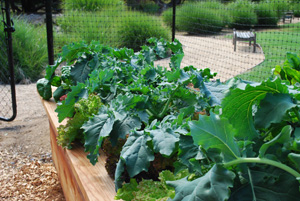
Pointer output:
80, 180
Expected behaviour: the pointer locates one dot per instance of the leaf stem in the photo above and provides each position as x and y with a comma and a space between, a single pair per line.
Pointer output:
251, 183
149, 112
263, 161
168, 103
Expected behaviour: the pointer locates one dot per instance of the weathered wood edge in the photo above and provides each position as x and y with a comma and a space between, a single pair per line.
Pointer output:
80, 180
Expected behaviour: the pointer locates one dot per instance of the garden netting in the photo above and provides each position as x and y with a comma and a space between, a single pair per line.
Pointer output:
205, 28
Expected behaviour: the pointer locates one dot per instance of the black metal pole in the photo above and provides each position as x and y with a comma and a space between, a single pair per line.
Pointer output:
10, 29
174, 17
49, 26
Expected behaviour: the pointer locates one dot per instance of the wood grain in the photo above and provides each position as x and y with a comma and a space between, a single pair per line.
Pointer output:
80, 180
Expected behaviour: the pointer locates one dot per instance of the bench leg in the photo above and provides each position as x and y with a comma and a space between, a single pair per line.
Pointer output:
254, 46
249, 42
234, 43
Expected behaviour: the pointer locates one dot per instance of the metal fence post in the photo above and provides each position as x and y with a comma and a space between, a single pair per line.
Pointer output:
49, 26
9, 29
173, 22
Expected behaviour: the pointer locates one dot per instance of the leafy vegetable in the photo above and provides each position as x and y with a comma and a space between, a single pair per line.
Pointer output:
237, 106
214, 185
290, 70
44, 88
72, 131
149, 189
215, 132
237, 140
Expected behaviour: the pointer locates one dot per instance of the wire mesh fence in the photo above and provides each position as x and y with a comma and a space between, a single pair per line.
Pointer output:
112, 23
205, 28
5, 89
7, 93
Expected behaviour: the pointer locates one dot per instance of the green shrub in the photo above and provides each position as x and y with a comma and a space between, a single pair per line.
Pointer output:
136, 27
91, 5
280, 6
242, 14
296, 9
167, 16
29, 50
114, 27
198, 17
266, 15
150, 7
75, 26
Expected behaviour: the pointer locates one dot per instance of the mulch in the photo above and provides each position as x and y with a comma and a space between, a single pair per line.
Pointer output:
28, 177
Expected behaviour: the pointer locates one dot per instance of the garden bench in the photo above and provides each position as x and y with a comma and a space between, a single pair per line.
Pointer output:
244, 36
288, 16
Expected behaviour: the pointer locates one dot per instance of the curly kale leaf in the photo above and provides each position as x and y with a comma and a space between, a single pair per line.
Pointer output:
72, 131
149, 189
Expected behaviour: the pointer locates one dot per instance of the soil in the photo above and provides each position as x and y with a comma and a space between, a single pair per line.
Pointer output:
27, 171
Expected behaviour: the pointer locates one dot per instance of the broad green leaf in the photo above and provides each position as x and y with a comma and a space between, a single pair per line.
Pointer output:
66, 109
178, 75
175, 46
296, 143
176, 61
295, 158
149, 54
136, 153
165, 140
73, 51
161, 50
237, 106
293, 60
118, 174
95, 129
190, 154
123, 54
187, 149
44, 88
173, 75
160, 46
269, 184
292, 75
149, 73
282, 137
272, 109
56, 81
50, 69
213, 186
122, 127
80, 71
216, 91
215, 132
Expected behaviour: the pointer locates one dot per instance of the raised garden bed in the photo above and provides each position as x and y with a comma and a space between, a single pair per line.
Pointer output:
79, 179
170, 134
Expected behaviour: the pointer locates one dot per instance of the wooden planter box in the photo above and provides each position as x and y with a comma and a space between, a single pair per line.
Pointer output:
80, 180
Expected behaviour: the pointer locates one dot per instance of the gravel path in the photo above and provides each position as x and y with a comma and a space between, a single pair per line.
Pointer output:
217, 54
